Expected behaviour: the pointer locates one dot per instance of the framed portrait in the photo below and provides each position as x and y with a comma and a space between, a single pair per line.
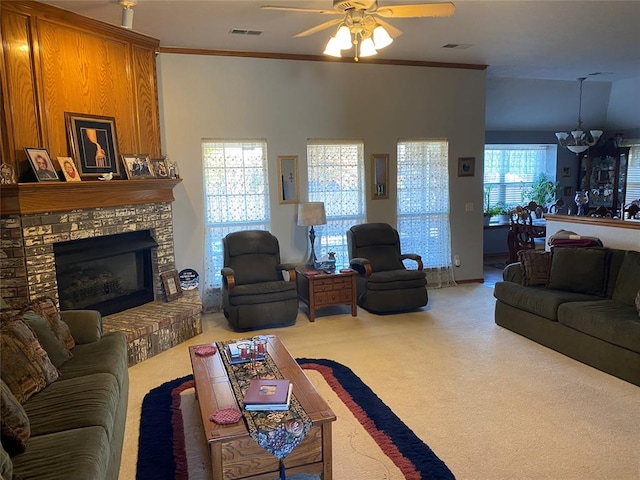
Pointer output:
94, 144
171, 285
159, 167
288, 178
7, 175
466, 166
42, 164
138, 166
379, 176
69, 169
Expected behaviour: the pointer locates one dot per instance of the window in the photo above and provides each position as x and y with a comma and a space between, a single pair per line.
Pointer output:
509, 169
633, 175
236, 194
423, 206
336, 177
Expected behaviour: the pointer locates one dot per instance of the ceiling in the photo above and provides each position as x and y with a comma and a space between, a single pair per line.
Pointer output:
549, 39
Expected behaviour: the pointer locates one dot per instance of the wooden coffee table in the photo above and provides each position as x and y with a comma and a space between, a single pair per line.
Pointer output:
319, 289
233, 453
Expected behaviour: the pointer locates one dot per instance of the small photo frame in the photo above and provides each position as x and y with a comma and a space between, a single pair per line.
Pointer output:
137, 166
7, 175
94, 144
566, 172
159, 167
69, 169
42, 165
171, 285
288, 178
466, 166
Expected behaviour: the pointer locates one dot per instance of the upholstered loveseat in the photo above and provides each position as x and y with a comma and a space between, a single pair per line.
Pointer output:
578, 301
64, 413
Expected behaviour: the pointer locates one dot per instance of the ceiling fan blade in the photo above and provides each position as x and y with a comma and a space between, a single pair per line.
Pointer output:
391, 30
301, 10
317, 28
419, 10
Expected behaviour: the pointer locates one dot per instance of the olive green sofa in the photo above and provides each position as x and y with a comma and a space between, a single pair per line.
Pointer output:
77, 421
580, 302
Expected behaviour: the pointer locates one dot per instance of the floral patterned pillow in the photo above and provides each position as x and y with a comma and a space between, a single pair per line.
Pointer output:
15, 429
638, 302
47, 309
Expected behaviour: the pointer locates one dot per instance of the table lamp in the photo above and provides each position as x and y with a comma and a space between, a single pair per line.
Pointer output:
310, 214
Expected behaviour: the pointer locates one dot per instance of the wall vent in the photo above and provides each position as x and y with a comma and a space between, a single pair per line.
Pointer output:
244, 31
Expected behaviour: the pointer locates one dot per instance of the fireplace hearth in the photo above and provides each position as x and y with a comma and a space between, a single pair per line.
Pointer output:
110, 273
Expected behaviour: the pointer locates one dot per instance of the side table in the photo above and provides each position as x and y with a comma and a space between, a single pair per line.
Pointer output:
319, 289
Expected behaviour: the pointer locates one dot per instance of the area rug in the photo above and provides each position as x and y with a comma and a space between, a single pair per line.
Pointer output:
367, 436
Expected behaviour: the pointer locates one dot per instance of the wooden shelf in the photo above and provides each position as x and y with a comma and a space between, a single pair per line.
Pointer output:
25, 198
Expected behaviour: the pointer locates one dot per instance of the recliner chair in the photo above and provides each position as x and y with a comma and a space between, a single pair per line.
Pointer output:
384, 284
254, 292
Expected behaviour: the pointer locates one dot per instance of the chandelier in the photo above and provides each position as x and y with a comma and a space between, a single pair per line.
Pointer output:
578, 140
360, 31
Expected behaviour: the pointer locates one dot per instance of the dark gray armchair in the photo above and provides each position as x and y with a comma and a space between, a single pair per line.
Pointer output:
254, 292
384, 284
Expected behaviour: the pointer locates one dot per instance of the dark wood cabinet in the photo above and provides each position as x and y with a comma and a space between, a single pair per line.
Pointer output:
603, 175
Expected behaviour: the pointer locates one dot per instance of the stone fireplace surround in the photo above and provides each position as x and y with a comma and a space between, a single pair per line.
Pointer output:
28, 268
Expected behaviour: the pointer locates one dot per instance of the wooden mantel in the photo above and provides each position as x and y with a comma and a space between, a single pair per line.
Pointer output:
26, 198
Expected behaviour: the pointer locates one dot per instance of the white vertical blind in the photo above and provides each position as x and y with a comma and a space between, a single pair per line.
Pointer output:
336, 177
236, 192
423, 206
633, 175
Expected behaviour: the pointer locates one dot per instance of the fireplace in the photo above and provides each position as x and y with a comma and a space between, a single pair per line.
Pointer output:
109, 273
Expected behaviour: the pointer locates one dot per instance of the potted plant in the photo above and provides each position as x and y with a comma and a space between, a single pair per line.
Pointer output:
542, 191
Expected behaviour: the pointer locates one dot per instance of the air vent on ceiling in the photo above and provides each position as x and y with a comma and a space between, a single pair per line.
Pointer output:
457, 46
243, 31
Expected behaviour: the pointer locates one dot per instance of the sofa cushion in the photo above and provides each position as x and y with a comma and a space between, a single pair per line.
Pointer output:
537, 300
77, 454
579, 270
46, 308
107, 355
638, 302
58, 353
397, 280
87, 401
15, 428
608, 320
628, 281
6, 465
536, 266
24, 364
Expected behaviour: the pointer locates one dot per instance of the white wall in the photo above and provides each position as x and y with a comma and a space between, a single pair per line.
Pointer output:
624, 105
287, 102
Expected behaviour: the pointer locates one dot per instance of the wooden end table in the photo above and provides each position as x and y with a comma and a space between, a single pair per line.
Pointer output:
319, 289
232, 452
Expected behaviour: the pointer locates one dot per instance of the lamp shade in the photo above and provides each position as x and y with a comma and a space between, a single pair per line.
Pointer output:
311, 213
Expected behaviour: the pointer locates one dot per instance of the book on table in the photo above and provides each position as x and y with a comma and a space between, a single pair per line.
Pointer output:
263, 394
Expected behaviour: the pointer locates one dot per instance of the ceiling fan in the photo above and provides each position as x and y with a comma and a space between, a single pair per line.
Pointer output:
361, 25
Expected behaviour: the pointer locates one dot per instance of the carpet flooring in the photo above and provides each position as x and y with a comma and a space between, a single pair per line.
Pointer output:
164, 432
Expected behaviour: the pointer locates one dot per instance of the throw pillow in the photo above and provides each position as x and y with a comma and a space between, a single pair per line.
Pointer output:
6, 466
47, 309
638, 302
15, 429
628, 281
536, 266
579, 270
24, 364
56, 350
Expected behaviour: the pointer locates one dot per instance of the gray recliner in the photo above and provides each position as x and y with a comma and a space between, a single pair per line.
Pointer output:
254, 292
384, 284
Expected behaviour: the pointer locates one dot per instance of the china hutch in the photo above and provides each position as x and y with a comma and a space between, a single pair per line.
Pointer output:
603, 175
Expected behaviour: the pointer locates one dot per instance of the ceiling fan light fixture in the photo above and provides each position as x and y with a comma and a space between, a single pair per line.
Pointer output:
367, 48
381, 37
343, 37
333, 48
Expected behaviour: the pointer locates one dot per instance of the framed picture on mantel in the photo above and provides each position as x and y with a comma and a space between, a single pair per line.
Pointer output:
94, 144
